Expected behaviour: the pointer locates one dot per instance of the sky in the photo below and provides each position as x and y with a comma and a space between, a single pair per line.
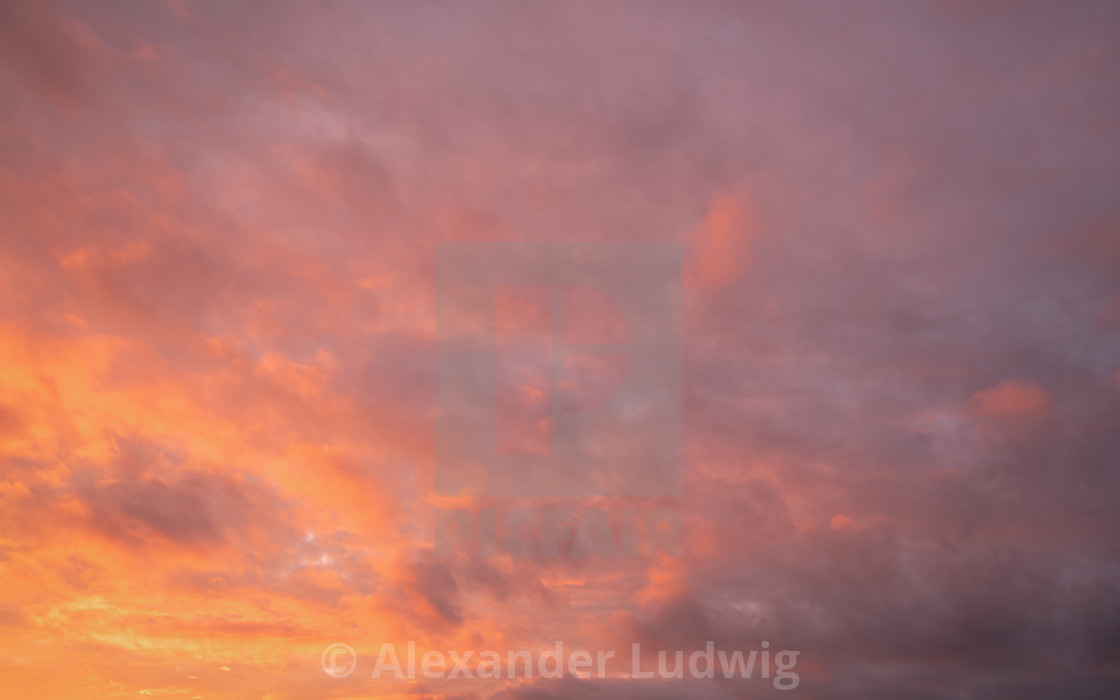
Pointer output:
882, 358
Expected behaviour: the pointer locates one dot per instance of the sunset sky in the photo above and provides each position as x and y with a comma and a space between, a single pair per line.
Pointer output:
224, 348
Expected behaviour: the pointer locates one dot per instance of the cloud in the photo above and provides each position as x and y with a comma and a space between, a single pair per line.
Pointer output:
722, 248
218, 333
1012, 400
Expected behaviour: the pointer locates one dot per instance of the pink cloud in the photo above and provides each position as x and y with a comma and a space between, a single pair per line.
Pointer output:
1012, 400
218, 338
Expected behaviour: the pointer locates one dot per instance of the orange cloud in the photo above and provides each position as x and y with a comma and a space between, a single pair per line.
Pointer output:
721, 246
218, 318
1012, 400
